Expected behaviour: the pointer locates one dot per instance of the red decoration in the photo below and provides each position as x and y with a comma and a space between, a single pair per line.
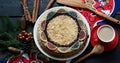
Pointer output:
108, 46
25, 36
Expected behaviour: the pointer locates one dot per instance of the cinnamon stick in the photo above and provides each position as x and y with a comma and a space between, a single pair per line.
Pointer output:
14, 49
29, 17
35, 10
25, 14
34, 13
26, 11
49, 4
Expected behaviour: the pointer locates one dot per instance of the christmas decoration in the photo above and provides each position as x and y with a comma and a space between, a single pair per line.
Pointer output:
8, 34
9, 41
27, 12
18, 42
26, 39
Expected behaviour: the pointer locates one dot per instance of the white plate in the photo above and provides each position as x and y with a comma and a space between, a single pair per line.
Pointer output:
40, 19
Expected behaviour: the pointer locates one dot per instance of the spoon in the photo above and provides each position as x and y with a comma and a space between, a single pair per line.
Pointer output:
98, 49
80, 4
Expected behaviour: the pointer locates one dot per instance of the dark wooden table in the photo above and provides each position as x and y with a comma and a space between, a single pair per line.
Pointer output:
14, 10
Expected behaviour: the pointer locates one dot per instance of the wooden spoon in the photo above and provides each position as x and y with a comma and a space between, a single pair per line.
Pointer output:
80, 4
98, 49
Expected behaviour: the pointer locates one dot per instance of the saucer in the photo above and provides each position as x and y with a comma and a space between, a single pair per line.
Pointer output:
95, 40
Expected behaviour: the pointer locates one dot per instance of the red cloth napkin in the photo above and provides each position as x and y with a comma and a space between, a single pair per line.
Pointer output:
105, 6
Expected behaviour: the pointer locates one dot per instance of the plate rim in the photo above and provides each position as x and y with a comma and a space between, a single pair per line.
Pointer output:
36, 26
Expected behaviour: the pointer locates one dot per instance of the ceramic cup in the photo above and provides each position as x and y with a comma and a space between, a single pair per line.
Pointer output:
106, 33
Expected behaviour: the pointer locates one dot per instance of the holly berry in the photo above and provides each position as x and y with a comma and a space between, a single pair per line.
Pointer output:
25, 36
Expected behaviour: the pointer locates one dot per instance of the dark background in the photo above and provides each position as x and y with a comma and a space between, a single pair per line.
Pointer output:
14, 10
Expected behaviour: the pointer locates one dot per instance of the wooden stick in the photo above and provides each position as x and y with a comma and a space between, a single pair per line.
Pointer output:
25, 14
103, 15
29, 16
14, 49
98, 49
26, 11
37, 8
26, 17
84, 57
34, 9
49, 4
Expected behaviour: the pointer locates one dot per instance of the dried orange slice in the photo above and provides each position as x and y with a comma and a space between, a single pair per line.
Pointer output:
43, 36
64, 49
51, 46
75, 46
43, 24
82, 34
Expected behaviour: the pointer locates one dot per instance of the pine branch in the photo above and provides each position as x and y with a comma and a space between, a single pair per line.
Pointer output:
18, 26
5, 36
5, 44
4, 24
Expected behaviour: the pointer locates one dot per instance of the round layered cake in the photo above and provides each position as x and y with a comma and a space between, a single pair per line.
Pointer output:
61, 34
